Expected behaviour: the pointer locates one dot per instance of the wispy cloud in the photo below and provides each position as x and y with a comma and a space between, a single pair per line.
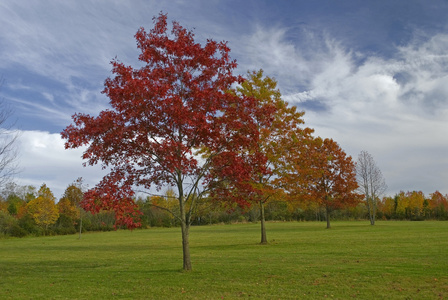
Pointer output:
384, 105
55, 57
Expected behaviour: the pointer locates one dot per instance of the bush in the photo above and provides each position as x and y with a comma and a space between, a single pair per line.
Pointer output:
65, 224
102, 221
28, 224
17, 231
64, 230
7, 222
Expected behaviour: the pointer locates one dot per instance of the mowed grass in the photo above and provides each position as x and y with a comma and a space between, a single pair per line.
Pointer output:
391, 260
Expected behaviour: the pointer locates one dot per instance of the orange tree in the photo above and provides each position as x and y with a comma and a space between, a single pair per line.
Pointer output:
438, 205
331, 176
163, 113
67, 208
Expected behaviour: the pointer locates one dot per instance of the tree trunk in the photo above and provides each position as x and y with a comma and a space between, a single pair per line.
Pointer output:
372, 218
80, 228
369, 208
186, 246
264, 240
185, 227
327, 215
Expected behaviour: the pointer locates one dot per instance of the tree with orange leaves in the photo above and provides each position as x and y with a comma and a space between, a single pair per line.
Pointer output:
331, 176
438, 204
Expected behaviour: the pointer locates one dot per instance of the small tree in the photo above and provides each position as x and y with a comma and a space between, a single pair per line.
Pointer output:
43, 209
371, 182
72, 199
332, 177
438, 205
279, 132
14, 204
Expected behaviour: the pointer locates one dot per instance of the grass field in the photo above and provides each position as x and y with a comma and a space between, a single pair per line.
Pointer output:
391, 260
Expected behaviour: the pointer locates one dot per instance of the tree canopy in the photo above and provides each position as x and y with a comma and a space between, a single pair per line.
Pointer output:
170, 121
43, 209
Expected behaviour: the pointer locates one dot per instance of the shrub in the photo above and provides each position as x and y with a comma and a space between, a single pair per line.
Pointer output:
6, 222
17, 231
28, 224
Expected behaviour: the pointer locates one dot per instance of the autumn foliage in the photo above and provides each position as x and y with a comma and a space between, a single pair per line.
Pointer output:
43, 209
163, 115
331, 176
174, 105
269, 160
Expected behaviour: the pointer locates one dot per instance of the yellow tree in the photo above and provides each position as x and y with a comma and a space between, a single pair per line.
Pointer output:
43, 209
68, 208
70, 203
3, 205
388, 207
278, 128
402, 205
416, 204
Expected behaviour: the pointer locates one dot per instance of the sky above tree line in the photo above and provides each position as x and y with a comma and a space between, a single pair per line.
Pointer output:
372, 75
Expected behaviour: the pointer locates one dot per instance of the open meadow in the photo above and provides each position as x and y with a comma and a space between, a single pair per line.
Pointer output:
303, 260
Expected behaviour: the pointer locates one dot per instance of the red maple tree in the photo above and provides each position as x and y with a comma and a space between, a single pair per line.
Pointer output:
171, 120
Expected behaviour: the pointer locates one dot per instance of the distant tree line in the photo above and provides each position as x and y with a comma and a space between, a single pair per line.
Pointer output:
412, 206
26, 211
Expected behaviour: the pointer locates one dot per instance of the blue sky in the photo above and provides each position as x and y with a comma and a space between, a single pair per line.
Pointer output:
373, 75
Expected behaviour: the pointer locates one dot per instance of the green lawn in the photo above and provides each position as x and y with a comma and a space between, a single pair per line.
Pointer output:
391, 260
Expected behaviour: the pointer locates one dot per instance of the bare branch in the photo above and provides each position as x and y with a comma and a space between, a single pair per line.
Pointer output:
371, 182
8, 138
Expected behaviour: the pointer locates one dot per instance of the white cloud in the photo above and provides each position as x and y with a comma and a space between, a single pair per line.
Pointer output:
395, 108
43, 159
66, 46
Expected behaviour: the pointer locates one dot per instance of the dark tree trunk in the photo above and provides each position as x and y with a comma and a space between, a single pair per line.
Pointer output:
264, 240
372, 218
80, 227
327, 215
186, 246
185, 227
371, 208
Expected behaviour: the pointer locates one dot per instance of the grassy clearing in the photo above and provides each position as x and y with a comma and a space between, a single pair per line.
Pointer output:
391, 260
